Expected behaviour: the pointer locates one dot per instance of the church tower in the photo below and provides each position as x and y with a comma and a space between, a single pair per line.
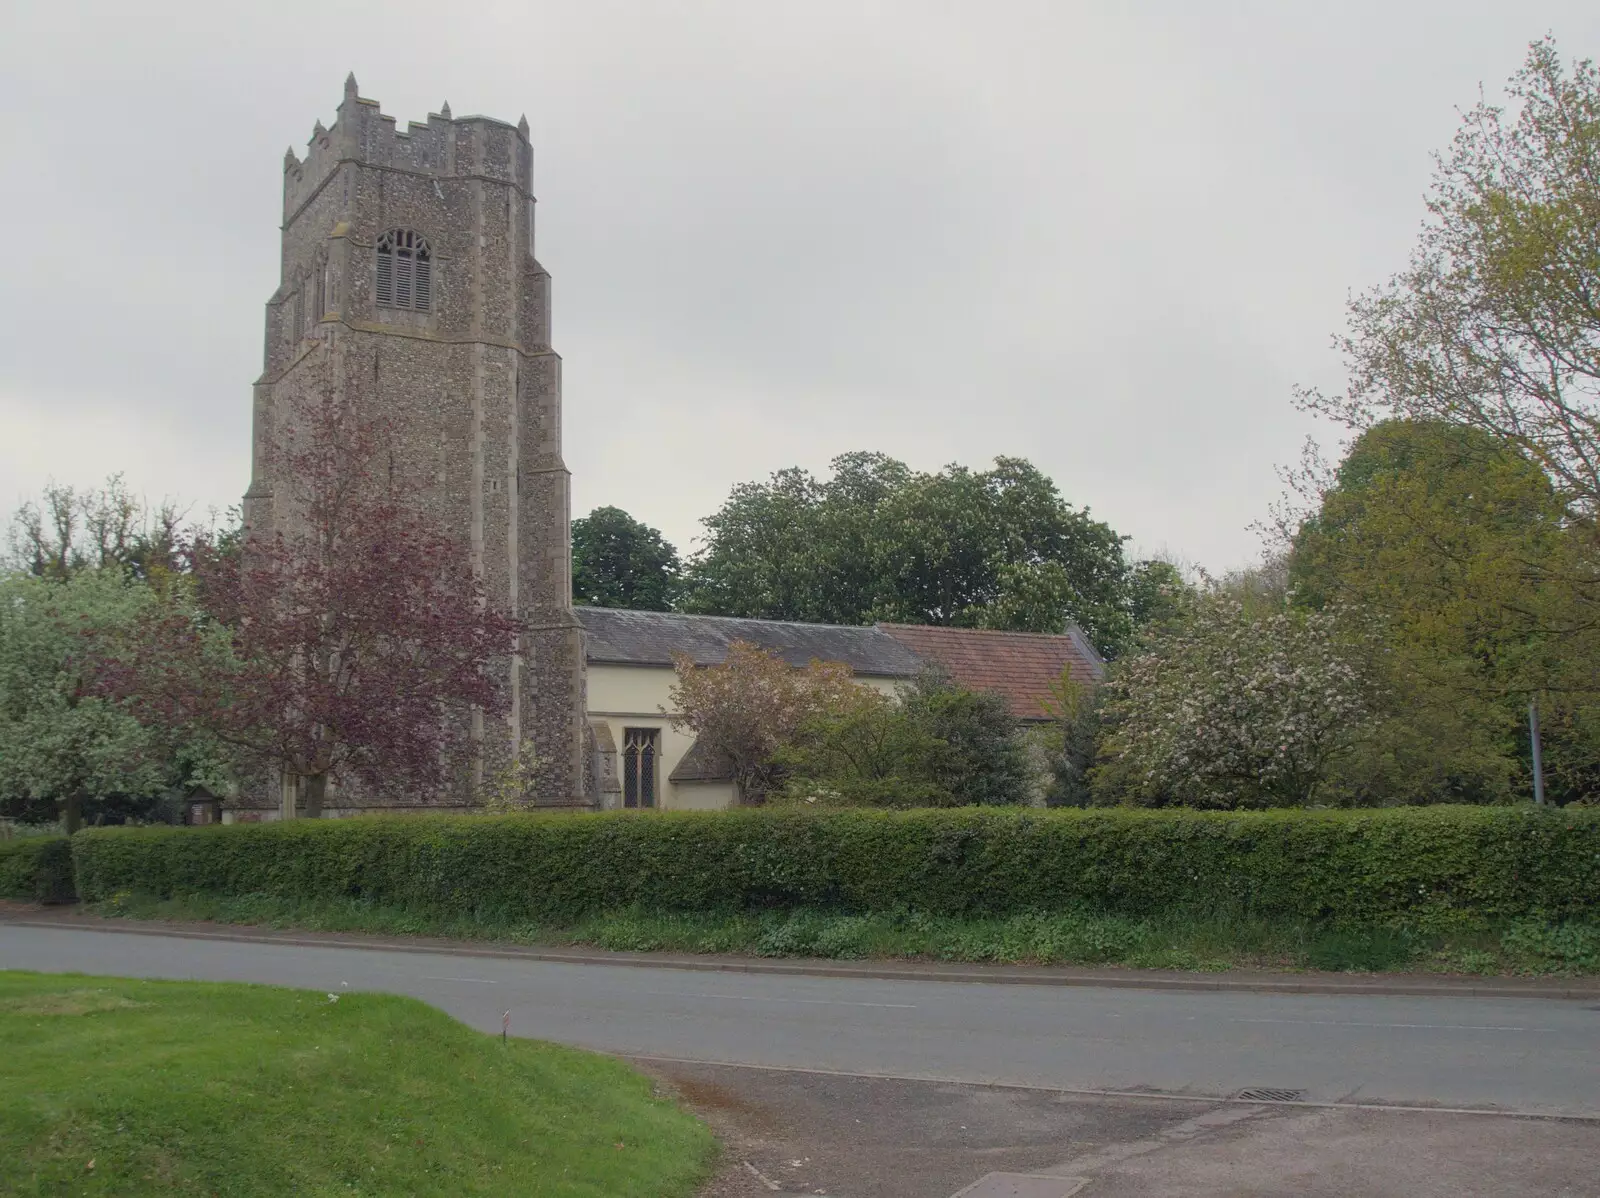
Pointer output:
408, 277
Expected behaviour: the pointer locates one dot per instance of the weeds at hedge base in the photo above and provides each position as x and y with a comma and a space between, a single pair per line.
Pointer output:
1191, 944
1367, 950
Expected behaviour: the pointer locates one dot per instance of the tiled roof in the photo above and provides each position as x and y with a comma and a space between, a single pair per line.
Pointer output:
1022, 666
650, 638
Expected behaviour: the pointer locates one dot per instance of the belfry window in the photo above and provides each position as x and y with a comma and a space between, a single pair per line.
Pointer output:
405, 271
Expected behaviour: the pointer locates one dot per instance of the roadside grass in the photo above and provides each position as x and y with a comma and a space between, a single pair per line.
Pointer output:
116, 1086
1176, 941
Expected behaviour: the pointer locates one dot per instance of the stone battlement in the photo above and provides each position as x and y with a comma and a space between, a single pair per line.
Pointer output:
442, 146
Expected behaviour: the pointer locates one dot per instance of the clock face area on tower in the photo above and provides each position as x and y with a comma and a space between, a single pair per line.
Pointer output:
409, 288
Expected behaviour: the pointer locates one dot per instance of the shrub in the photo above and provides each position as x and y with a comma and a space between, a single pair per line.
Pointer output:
865, 751
1069, 742
1416, 864
747, 707
37, 869
937, 745
983, 760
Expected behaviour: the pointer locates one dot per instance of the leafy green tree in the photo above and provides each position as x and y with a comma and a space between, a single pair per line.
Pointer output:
619, 562
795, 548
1443, 528
1494, 323
1449, 534
1157, 593
1453, 541
1034, 597
879, 541
62, 742
1493, 326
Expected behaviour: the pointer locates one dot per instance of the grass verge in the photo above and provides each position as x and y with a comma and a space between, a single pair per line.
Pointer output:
114, 1086
1176, 942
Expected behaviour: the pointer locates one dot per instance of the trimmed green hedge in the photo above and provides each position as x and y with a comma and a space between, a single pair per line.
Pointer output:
37, 869
1491, 862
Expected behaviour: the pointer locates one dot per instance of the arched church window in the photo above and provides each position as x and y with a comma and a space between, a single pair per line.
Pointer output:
405, 271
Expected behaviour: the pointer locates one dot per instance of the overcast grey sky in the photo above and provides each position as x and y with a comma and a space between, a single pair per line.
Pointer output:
1107, 237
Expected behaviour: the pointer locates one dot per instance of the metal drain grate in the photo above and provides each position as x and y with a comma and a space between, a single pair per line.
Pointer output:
1268, 1094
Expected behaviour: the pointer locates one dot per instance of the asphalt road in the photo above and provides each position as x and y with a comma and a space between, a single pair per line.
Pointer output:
1526, 1055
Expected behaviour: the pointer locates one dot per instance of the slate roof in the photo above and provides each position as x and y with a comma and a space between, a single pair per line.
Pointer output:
650, 638
700, 764
1022, 666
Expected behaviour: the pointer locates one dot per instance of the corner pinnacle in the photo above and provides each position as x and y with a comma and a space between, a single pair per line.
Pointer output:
522, 126
350, 89
444, 110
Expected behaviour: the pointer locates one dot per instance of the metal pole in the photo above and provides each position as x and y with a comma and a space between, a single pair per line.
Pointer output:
1538, 758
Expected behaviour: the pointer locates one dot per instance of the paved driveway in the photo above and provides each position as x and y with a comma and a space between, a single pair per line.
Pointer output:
797, 1133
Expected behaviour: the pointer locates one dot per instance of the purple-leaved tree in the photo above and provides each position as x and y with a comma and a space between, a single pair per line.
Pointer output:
353, 640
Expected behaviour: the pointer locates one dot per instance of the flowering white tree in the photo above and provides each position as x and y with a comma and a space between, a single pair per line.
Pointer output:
1241, 705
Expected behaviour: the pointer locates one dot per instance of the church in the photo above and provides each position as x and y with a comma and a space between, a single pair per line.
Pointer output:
408, 278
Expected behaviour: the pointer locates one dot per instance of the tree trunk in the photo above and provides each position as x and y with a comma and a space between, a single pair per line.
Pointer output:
72, 812
316, 789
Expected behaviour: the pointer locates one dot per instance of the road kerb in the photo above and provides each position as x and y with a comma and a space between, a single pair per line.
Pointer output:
1409, 985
